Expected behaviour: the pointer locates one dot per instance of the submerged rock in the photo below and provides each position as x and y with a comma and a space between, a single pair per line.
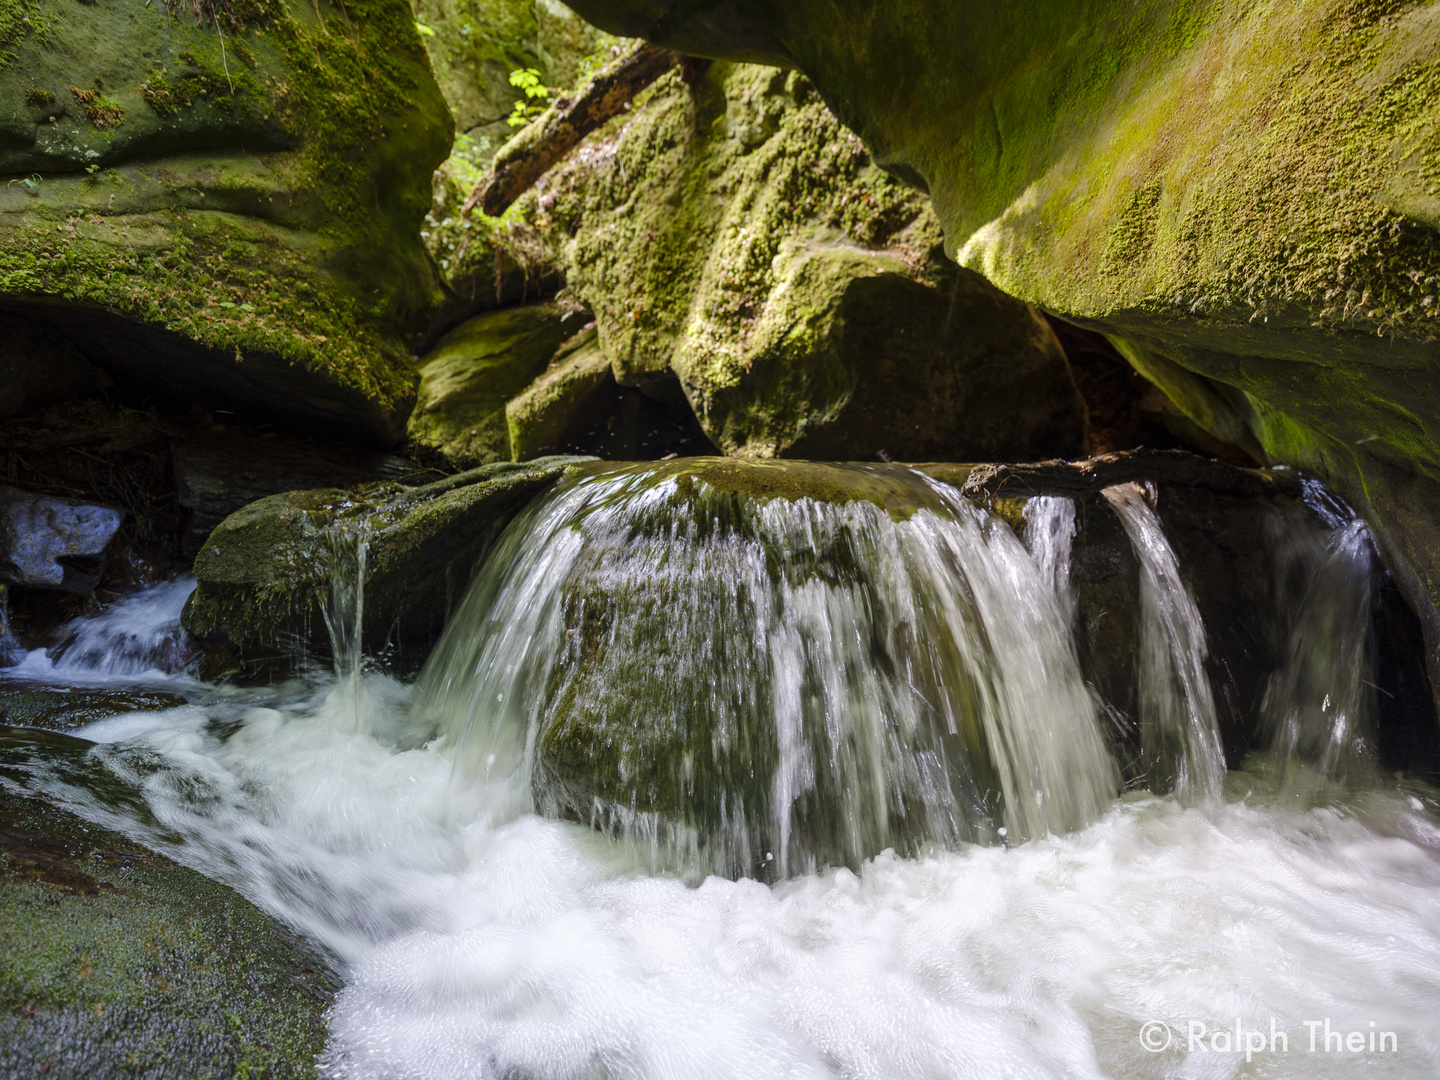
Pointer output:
41, 537
24, 705
117, 962
263, 576
210, 206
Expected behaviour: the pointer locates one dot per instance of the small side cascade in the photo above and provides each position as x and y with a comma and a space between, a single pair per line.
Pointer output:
348, 540
1180, 730
1318, 708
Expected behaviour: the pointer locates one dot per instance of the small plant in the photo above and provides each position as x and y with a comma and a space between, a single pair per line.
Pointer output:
31, 183
527, 108
425, 31
103, 112
39, 99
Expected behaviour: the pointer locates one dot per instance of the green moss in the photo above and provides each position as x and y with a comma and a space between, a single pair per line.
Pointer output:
37, 98
103, 112
115, 961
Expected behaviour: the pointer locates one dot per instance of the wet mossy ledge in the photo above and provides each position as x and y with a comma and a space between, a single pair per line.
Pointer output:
263, 575
242, 184
121, 963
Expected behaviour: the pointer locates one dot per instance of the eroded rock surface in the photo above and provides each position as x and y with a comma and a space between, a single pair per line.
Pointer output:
223, 205
41, 537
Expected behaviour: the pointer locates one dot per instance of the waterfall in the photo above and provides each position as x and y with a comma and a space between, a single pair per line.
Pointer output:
1180, 733
1318, 706
752, 684
348, 541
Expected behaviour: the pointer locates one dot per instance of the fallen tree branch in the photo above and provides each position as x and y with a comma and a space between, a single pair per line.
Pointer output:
557, 131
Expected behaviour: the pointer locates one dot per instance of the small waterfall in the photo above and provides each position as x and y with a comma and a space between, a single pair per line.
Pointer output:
1318, 707
348, 541
756, 684
137, 638
1180, 732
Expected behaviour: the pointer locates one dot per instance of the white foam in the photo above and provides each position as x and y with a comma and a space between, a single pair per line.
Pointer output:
479, 945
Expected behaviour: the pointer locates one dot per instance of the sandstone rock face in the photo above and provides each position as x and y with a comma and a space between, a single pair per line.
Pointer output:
1243, 195
224, 209
734, 238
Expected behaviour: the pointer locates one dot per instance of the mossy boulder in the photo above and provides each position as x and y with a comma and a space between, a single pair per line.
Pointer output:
117, 962
1246, 196
573, 393
470, 375
734, 237
224, 207
264, 574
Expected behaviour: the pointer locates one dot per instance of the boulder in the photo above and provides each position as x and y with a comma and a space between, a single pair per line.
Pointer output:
1242, 195
466, 380
219, 471
41, 536
263, 576
574, 394
116, 961
734, 237
222, 207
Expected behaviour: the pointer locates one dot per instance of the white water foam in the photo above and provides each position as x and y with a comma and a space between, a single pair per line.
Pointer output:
136, 640
479, 945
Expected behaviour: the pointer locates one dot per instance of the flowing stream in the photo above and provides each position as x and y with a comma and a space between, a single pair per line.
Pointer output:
717, 784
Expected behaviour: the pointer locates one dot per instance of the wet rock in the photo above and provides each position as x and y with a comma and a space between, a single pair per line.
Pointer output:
26, 705
211, 215
117, 962
218, 472
41, 539
263, 575
37, 368
467, 379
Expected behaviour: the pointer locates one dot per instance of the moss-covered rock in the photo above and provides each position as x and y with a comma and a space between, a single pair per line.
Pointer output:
224, 205
572, 394
1248, 192
116, 962
733, 235
467, 379
263, 576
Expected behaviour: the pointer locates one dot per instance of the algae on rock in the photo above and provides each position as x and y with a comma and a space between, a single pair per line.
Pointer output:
467, 379
239, 227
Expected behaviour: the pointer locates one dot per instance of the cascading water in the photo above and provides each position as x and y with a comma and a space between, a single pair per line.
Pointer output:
1180, 732
829, 640
754, 685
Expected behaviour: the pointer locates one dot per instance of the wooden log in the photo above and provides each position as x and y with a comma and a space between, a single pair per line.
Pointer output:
558, 130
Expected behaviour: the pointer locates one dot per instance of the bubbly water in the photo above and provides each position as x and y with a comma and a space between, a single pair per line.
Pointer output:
1129, 937
137, 640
